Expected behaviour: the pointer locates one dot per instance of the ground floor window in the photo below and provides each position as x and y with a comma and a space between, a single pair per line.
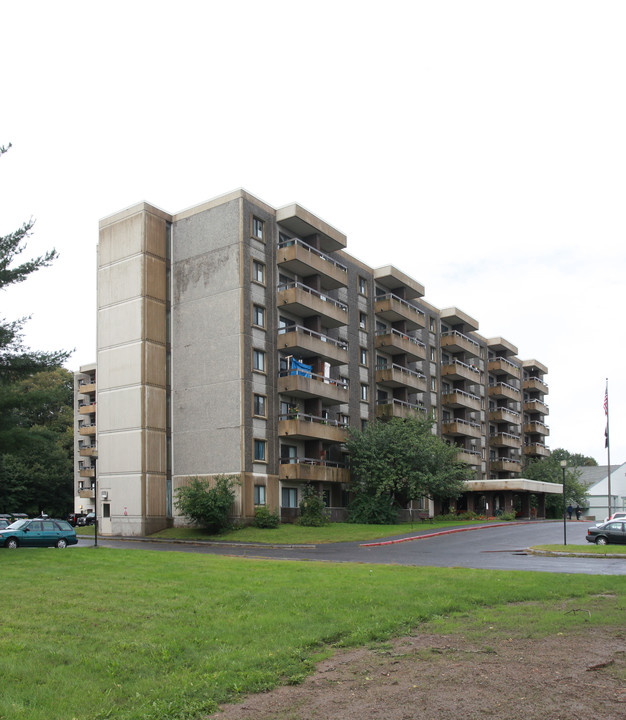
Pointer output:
259, 494
289, 497
106, 510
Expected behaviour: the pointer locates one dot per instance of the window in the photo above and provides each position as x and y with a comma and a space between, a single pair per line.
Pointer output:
433, 354
106, 510
259, 494
289, 497
260, 409
433, 384
258, 272
257, 228
260, 450
363, 321
364, 391
258, 360
363, 356
362, 286
433, 325
363, 424
258, 315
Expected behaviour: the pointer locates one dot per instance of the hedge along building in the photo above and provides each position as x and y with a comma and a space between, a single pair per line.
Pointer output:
202, 319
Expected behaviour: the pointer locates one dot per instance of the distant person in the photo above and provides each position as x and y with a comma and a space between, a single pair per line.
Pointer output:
570, 510
579, 512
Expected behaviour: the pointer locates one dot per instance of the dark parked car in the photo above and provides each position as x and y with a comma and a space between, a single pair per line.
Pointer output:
38, 533
610, 532
88, 519
74, 518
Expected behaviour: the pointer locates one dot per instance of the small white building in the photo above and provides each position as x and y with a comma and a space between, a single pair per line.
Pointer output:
598, 493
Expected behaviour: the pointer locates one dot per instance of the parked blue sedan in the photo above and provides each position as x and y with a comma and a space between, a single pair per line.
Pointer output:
38, 533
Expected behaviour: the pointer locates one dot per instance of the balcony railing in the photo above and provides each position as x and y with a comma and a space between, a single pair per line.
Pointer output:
313, 470
303, 259
393, 308
501, 363
460, 370
461, 398
386, 408
296, 415
504, 439
315, 293
455, 338
311, 333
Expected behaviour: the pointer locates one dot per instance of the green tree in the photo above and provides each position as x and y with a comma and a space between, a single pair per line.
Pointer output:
550, 470
36, 436
573, 459
15, 359
208, 504
400, 460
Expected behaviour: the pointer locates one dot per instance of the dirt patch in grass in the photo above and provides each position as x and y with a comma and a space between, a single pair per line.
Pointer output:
452, 677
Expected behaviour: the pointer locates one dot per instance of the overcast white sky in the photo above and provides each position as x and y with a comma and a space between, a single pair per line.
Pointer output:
478, 146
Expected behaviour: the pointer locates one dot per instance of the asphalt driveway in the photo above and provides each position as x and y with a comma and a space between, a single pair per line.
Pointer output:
495, 547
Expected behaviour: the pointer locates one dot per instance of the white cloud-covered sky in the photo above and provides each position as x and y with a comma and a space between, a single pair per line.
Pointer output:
479, 146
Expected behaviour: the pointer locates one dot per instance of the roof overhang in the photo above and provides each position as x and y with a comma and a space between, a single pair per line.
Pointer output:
515, 485
302, 223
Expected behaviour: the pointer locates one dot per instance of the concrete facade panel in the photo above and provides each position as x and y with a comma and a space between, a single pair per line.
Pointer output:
121, 239
121, 281
119, 366
120, 324
120, 452
155, 235
155, 495
156, 278
155, 321
156, 447
154, 364
156, 407
203, 232
120, 409
217, 449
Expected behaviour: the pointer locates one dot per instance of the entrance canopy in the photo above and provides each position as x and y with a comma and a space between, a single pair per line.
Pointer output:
508, 495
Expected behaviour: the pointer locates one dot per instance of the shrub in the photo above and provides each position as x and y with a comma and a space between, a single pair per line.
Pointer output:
312, 508
372, 510
265, 518
208, 505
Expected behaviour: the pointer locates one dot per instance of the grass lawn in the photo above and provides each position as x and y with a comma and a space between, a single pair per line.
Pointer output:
291, 534
586, 548
94, 633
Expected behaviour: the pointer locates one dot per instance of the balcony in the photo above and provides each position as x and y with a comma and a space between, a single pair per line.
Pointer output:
500, 365
396, 343
455, 341
307, 343
505, 440
86, 388
461, 428
536, 450
461, 399
303, 301
469, 457
87, 430
535, 383
86, 408
536, 428
87, 472
386, 409
304, 260
310, 385
502, 390
394, 309
505, 465
88, 494
398, 376
89, 451
536, 406
310, 470
505, 415
458, 370
298, 426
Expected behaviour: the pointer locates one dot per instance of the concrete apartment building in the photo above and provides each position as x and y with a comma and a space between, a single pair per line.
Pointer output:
242, 339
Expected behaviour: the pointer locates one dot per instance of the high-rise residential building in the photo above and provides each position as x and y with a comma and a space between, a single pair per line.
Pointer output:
236, 338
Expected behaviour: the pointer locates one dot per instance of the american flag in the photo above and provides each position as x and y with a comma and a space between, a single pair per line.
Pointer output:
606, 401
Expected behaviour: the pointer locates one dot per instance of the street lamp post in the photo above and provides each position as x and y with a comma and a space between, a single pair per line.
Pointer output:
563, 466
95, 503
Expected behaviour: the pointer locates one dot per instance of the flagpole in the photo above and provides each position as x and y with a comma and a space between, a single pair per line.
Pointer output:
608, 443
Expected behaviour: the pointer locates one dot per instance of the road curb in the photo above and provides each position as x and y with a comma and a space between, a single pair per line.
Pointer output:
439, 532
